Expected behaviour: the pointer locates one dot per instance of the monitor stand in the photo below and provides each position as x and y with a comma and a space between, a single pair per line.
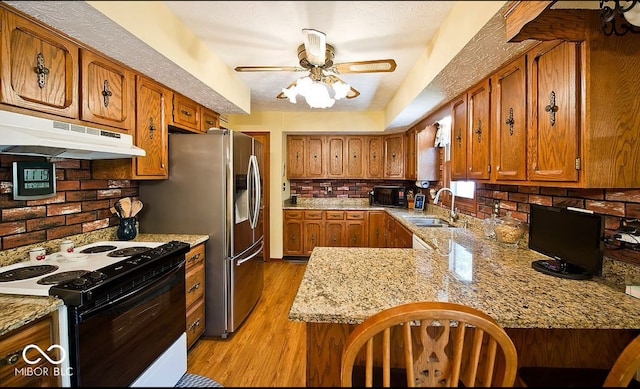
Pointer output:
560, 269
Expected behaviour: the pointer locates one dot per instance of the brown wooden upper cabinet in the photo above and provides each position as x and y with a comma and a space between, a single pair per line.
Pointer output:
295, 156
354, 156
375, 156
39, 68
335, 159
471, 133
108, 92
151, 129
509, 149
186, 113
210, 119
411, 160
554, 80
394, 156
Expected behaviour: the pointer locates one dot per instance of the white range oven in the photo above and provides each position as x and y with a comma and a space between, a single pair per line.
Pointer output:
123, 319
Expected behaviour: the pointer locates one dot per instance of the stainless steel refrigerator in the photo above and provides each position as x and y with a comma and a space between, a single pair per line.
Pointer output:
215, 188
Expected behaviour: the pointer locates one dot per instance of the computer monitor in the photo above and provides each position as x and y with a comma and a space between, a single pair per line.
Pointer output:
574, 239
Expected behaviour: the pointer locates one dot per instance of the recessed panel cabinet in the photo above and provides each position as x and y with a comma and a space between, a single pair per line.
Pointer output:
108, 92
151, 129
375, 156
39, 68
394, 156
479, 131
509, 148
459, 138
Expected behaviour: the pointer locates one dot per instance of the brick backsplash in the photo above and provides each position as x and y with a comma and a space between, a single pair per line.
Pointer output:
339, 188
80, 205
613, 204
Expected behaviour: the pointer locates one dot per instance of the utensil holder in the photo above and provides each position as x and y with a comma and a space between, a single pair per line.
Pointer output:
127, 228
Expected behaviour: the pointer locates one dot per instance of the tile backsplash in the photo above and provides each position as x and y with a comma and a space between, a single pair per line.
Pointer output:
80, 205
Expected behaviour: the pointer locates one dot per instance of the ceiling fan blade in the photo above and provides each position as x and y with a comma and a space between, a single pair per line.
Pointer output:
330, 79
269, 69
375, 66
315, 45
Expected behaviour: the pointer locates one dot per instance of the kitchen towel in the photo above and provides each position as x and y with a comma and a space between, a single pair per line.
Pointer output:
443, 134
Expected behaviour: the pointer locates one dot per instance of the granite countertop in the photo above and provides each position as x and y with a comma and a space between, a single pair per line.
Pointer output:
341, 285
347, 285
18, 310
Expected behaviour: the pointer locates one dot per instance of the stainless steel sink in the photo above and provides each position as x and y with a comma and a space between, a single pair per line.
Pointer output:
427, 221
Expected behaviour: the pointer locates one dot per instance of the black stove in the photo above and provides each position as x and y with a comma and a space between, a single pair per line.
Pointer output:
64, 276
117, 279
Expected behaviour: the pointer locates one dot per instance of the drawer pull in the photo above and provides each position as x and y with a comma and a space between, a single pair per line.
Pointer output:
194, 287
185, 112
194, 258
11, 358
194, 324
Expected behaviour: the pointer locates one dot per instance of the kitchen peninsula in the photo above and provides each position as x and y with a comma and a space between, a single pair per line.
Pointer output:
545, 316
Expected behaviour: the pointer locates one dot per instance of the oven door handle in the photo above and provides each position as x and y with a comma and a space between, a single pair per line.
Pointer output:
148, 292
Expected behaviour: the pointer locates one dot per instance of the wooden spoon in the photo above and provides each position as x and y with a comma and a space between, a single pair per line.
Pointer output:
136, 207
125, 203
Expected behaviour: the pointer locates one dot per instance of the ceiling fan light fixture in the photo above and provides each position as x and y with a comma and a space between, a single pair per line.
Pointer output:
291, 93
341, 90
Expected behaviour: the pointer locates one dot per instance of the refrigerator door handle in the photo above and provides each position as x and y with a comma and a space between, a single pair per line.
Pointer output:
250, 256
253, 168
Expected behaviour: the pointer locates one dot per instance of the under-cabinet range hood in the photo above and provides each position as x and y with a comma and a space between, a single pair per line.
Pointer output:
29, 135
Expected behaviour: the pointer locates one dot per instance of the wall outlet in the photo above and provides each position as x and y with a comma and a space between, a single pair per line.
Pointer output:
496, 207
329, 189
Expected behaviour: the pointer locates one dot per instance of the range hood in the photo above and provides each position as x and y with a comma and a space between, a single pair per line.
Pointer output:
29, 135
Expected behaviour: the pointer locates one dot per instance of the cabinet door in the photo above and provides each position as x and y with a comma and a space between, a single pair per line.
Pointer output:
186, 113
107, 92
394, 156
293, 238
334, 233
39, 69
151, 129
335, 157
411, 160
356, 235
377, 229
354, 157
459, 138
295, 156
554, 80
312, 235
478, 138
210, 119
375, 157
509, 149
314, 150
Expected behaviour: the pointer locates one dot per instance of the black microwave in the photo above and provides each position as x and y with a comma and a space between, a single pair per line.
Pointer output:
389, 196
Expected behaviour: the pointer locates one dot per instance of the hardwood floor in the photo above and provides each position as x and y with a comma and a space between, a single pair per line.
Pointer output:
268, 349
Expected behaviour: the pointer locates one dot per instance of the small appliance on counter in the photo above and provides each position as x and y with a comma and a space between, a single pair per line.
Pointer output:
389, 196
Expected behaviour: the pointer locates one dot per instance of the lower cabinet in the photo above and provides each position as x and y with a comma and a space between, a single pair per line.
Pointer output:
194, 293
306, 229
40, 333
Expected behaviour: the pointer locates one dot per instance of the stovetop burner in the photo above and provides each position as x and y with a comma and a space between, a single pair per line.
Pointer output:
128, 251
98, 249
61, 277
24, 273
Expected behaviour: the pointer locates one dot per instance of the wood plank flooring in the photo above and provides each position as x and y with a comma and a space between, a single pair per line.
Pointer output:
268, 349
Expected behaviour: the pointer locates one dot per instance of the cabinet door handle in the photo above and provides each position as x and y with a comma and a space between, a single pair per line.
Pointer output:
552, 108
152, 128
11, 358
106, 93
193, 257
510, 122
41, 70
479, 131
459, 137
195, 324
185, 112
209, 122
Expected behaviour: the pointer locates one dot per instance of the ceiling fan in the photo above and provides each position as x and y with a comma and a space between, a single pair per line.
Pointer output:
316, 56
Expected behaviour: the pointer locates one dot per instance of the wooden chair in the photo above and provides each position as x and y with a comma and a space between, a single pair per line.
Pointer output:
453, 344
621, 374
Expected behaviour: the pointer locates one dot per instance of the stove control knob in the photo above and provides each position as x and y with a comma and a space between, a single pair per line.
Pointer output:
79, 282
97, 276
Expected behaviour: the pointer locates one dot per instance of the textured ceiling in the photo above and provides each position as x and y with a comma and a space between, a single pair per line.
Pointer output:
268, 33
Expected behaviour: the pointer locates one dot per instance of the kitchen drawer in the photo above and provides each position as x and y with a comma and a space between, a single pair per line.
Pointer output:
195, 322
194, 284
312, 215
356, 215
38, 333
335, 215
186, 112
194, 257
293, 215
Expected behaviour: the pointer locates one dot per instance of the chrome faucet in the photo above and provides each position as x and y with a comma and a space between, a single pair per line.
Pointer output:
453, 215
